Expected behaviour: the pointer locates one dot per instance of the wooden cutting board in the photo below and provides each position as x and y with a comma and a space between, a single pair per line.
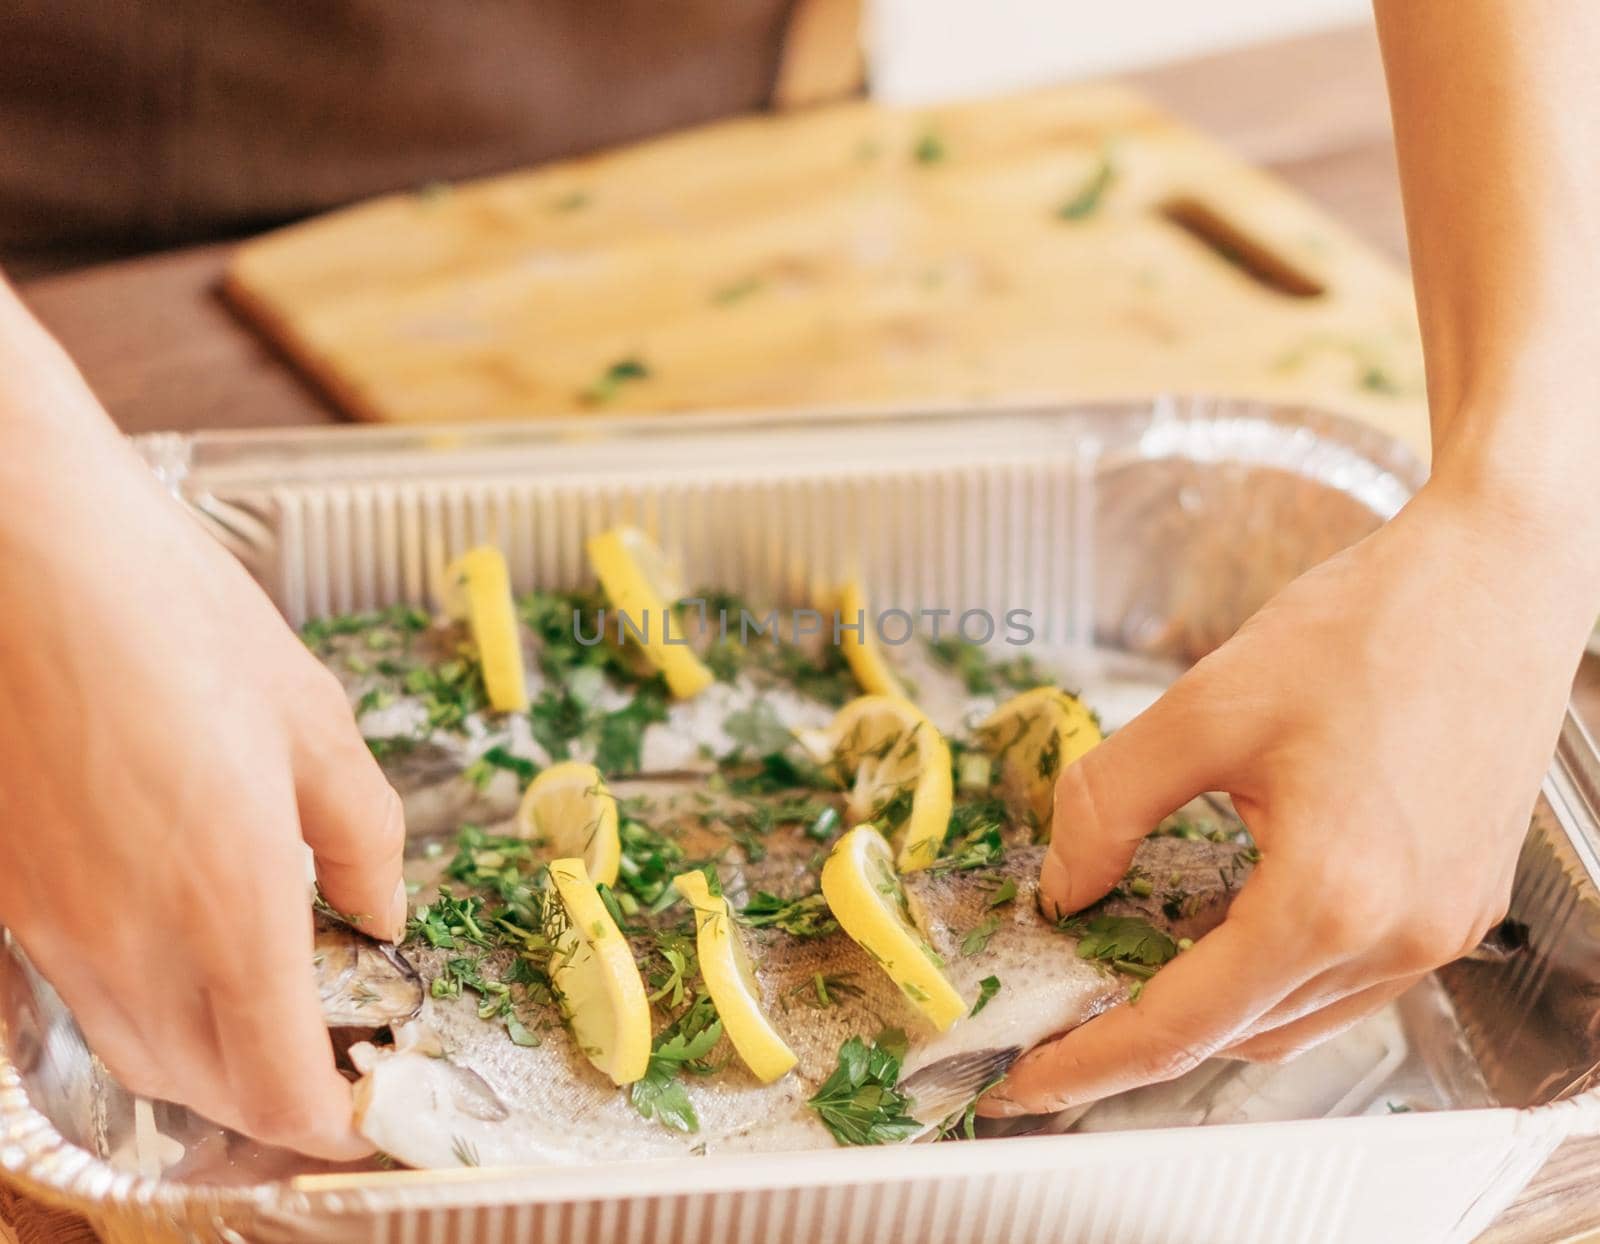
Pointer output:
1071, 243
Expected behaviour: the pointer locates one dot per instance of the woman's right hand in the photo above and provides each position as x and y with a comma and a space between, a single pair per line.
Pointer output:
167, 746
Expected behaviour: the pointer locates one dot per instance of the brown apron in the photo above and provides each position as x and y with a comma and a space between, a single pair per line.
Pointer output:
129, 124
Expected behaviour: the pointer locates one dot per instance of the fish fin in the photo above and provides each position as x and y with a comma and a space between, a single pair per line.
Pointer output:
945, 1088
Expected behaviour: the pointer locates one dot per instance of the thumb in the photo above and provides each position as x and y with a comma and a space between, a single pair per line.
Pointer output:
1116, 793
352, 820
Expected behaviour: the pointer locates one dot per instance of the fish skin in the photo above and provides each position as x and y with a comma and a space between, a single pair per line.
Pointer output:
429, 766
454, 1086
361, 982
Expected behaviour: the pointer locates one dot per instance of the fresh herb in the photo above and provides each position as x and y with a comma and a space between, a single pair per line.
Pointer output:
557, 619
822, 675
799, 917
987, 988
519, 1032
1127, 943
402, 621
860, 1102
682, 1047
1003, 893
649, 862
498, 863
498, 759
391, 748
451, 691
757, 729
671, 980
1086, 200
619, 745
606, 387
967, 660
1375, 378
447, 922
977, 940
1050, 758
725, 658
824, 824
570, 715
930, 149
373, 700
737, 291
572, 201
973, 839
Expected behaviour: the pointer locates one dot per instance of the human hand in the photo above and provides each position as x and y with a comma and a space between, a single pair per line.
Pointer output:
1382, 725
166, 743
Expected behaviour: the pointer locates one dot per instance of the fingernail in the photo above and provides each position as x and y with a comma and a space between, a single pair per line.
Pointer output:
399, 909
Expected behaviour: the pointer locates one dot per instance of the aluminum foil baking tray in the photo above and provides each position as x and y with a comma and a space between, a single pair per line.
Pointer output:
1139, 536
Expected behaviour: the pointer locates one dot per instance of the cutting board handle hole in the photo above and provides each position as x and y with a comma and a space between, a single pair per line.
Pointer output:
1257, 260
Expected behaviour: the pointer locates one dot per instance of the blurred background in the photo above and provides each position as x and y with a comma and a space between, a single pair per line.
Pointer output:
924, 50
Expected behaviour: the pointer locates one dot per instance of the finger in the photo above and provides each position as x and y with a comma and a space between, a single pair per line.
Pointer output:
352, 819
1327, 989
277, 1056
1289, 1040
1196, 1005
109, 1029
1118, 792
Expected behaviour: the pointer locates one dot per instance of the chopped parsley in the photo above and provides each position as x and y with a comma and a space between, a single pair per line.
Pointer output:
1127, 943
1003, 893
609, 383
987, 988
682, 1047
973, 839
1086, 200
649, 862
860, 1103
758, 730
982, 674
977, 940
929, 149
498, 759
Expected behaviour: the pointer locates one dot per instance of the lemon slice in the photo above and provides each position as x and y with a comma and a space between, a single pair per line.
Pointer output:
899, 767
1031, 738
641, 586
866, 898
476, 588
569, 808
597, 980
730, 980
861, 651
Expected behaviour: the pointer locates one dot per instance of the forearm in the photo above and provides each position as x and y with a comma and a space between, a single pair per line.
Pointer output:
58, 448
1497, 122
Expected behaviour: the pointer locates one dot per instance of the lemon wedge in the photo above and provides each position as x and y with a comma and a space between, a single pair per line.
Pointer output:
597, 980
865, 896
730, 980
861, 651
569, 808
1031, 738
476, 588
641, 586
898, 765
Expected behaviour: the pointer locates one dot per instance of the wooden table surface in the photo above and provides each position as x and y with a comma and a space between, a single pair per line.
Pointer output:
163, 352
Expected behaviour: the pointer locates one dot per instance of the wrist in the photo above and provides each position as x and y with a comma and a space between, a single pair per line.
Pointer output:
1518, 534
1532, 471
